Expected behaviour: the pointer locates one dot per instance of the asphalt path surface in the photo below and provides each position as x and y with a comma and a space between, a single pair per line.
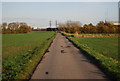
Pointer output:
64, 61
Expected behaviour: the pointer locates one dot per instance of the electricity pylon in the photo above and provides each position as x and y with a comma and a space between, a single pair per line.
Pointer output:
56, 23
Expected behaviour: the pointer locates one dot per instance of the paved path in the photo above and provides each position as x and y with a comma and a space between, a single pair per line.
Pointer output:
65, 61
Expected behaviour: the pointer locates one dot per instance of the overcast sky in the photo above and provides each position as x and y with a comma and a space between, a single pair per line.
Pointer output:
38, 14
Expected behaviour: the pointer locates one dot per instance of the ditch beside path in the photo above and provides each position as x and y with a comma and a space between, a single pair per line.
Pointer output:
64, 61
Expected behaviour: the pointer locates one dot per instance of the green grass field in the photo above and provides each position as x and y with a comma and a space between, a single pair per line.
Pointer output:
104, 51
22, 52
107, 46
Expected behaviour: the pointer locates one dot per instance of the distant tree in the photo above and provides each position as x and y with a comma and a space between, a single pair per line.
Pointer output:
15, 27
8, 31
85, 28
24, 29
4, 27
100, 27
70, 27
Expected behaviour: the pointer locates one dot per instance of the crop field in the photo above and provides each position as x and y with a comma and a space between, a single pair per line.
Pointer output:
108, 46
104, 51
22, 52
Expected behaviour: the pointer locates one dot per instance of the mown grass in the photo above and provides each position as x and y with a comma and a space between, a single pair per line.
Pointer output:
22, 52
108, 46
103, 51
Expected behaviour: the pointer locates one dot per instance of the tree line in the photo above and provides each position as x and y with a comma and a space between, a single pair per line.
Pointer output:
101, 27
15, 27
68, 27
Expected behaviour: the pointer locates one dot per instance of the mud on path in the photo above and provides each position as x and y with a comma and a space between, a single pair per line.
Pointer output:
64, 61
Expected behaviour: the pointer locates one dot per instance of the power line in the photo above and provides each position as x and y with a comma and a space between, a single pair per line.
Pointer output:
106, 15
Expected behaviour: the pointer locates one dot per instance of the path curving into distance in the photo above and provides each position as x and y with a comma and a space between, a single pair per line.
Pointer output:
64, 61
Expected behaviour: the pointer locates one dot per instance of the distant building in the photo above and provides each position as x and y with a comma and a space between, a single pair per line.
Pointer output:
116, 23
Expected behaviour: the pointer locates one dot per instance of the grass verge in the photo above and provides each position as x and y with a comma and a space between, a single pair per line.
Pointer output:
21, 66
109, 65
